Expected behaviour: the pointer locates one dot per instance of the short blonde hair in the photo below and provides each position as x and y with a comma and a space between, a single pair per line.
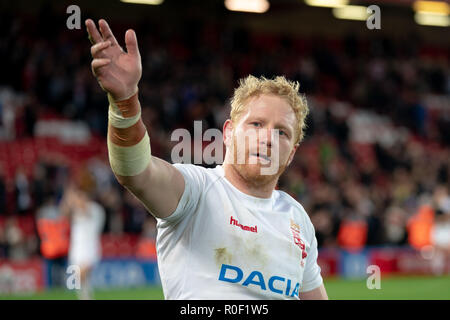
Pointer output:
252, 86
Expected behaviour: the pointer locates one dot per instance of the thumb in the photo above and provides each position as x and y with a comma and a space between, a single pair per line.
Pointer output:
131, 42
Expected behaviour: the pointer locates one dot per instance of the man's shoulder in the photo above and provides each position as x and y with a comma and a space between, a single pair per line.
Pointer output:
201, 175
197, 169
300, 212
287, 198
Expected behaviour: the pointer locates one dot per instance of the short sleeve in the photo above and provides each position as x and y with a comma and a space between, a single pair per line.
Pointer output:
311, 277
194, 183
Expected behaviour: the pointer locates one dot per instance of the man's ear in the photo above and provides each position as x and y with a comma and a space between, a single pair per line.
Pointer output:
291, 156
228, 133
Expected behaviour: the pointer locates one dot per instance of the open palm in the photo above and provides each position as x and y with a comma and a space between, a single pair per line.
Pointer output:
118, 72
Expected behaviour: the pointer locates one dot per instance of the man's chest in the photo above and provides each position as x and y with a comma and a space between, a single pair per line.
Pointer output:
256, 248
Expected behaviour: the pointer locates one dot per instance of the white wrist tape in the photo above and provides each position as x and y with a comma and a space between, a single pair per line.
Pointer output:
116, 118
118, 121
130, 161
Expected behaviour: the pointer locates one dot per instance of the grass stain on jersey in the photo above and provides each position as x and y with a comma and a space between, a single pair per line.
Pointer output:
256, 254
223, 256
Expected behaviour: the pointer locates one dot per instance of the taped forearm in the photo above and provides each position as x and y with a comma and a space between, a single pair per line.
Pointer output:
128, 140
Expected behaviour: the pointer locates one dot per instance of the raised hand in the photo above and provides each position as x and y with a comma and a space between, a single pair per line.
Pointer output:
118, 72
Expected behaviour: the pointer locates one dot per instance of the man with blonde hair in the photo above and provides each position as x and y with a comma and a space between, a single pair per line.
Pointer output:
223, 233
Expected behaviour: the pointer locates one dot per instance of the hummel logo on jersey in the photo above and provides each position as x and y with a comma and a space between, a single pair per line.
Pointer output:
245, 228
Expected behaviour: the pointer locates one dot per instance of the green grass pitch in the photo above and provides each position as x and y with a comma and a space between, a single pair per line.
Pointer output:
392, 288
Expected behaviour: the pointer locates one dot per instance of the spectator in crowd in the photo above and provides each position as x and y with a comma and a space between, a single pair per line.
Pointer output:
395, 226
53, 230
40, 184
15, 239
22, 191
3, 243
146, 248
2, 191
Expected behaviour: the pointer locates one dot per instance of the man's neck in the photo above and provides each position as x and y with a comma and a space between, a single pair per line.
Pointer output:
239, 182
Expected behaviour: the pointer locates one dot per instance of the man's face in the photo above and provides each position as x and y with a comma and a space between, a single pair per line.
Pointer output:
262, 141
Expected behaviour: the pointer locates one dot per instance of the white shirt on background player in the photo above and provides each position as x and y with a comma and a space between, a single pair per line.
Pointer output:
222, 243
85, 235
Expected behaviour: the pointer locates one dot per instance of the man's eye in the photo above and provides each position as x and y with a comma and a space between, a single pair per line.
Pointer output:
283, 133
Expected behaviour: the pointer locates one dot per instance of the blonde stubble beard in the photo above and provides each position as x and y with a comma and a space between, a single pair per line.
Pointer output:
251, 173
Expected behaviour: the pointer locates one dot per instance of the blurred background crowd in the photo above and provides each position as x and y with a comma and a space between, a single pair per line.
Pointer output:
373, 170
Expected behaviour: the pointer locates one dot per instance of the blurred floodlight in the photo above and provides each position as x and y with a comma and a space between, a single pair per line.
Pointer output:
327, 3
351, 13
256, 6
152, 2
432, 19
432, 13
435, 7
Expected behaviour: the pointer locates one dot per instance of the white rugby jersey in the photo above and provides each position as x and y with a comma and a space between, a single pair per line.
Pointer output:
223, 244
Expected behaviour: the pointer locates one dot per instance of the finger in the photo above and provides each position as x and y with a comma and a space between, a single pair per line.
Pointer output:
94, 35
106, 32
97, 48
131, 43
98, 63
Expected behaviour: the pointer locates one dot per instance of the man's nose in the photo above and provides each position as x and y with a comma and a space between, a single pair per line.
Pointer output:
267, 136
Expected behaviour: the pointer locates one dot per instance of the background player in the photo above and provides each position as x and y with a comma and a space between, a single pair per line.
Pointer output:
87, 220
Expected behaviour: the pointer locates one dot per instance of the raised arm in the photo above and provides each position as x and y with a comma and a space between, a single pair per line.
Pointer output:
66, 204
156, 183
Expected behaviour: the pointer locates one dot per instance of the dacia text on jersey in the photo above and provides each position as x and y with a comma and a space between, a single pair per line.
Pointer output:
276, 284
